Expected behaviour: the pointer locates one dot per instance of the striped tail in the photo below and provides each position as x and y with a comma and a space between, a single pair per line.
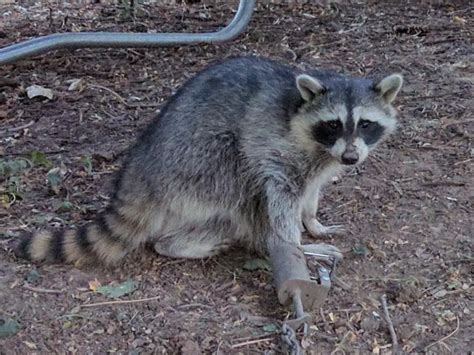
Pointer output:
106, 240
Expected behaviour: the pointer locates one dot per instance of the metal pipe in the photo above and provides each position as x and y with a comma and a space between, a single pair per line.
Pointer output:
117, 39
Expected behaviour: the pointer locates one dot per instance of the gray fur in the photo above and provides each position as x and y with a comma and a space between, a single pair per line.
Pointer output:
220, 165
237, 156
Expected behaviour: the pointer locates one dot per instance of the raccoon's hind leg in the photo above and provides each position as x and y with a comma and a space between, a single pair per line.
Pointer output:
196, 240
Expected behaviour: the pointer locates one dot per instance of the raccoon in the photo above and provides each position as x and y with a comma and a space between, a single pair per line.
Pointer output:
236, 157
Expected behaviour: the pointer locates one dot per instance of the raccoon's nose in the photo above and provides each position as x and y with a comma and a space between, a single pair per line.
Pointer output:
350, 156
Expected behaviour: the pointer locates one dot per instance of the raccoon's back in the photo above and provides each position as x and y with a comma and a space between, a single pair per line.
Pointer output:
221, 97
199, 135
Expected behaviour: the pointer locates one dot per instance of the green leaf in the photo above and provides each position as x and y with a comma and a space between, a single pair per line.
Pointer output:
54, 178
9, 234
119, 290
257, 264
87, 162
32, 276
8, 327
40, 159
270, 328
63, 206
14, 186
360, 250
13, 167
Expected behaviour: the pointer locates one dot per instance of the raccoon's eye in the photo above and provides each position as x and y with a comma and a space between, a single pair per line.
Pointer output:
334, 125
364, 124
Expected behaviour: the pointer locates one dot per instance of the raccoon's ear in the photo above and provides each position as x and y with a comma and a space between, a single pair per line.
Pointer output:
389, 87
309, 87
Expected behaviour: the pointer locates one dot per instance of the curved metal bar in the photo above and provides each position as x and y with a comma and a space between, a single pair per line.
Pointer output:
117, 39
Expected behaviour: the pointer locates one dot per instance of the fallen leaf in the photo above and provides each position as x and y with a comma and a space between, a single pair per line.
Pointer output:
376, 250
12, 167
305, 343
40, 159
32, 276
257, 264
119, 290
191, 348
270, 328
8, 327
31, 345
459, 20
360, 250
87, 163
440, 294
94, 285
54, 179
76, 85
63, 206
332, 317
370, 323
39, 91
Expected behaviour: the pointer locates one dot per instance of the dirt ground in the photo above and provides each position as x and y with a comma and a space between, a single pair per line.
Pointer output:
407, 210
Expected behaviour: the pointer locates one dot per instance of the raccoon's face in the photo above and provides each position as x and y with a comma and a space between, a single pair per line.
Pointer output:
345, 117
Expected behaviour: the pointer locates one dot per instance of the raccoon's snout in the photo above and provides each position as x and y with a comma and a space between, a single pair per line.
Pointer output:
350, 156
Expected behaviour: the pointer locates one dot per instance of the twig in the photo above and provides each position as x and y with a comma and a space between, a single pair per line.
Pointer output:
456, 122
323, 335
41, 290
444, 183
47, 152
193, 305
342, 284
393, 335
251, 338
447, 336
250, 342
121, 99
120, 302
19, 128
9, 82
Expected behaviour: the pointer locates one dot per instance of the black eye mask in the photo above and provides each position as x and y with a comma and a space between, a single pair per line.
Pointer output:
370, 131
327, 133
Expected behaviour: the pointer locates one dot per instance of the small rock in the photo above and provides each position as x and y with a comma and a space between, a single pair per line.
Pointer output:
370, 323
111, 329
232, 299
39, 91
190, 348
137, 343
440, 294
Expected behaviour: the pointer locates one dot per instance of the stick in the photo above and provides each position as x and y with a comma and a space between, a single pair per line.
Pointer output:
19, 128
120, 98
447, 336
393, 335
41, 290
342, 284
250, 342
120, 302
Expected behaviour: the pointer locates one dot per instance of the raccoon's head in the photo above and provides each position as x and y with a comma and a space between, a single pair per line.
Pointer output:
346, 117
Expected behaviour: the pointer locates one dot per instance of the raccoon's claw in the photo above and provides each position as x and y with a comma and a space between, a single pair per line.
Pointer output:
323, 249
316, 229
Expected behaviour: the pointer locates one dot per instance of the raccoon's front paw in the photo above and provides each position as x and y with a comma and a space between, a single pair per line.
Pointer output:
316, 229
323, 249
